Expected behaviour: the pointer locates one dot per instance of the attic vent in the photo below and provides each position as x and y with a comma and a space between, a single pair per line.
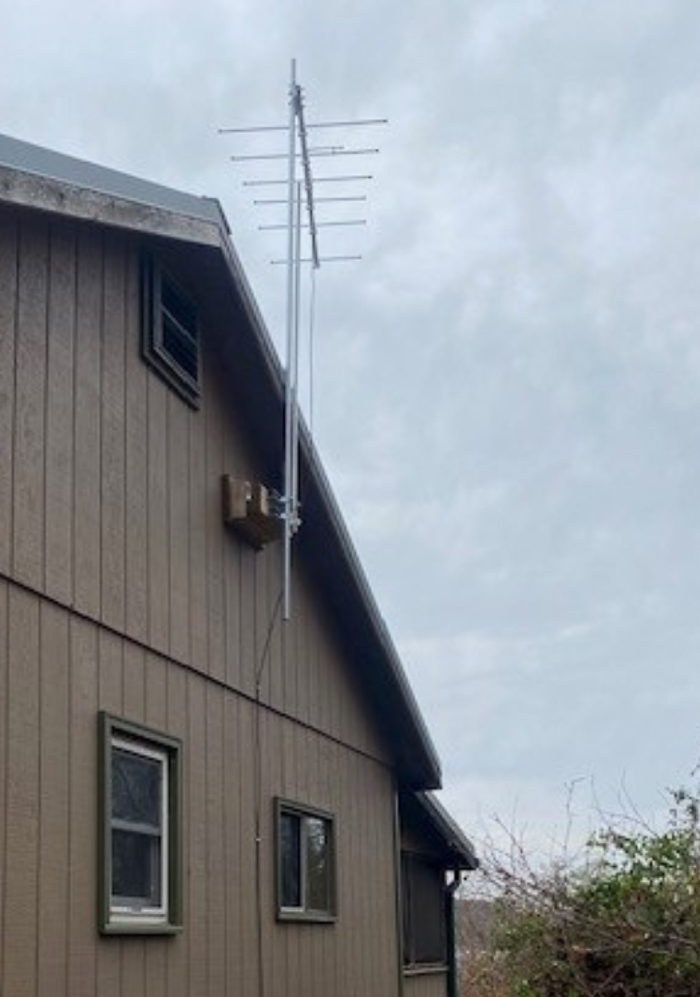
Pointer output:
170, 330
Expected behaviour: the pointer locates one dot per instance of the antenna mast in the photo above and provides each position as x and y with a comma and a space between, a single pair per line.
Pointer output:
299, 190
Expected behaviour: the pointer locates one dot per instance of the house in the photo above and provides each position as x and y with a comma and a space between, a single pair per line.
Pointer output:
196, 799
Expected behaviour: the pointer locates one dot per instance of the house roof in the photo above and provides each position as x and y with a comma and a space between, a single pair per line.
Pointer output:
34, 177
424, 811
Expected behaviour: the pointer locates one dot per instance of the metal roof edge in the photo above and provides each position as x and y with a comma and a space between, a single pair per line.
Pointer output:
447, 828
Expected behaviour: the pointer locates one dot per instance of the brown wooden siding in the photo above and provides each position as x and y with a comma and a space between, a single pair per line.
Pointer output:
121, 590
60, 670
425, 985
110, 491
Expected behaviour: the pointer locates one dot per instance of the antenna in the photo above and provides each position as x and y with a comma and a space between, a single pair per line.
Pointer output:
300, 195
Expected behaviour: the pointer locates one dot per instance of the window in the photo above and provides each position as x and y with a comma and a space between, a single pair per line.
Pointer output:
424, 912
169, 330
140, 786
305, 863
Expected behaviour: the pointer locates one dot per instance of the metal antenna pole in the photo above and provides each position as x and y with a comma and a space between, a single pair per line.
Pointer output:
289, 387
295, 371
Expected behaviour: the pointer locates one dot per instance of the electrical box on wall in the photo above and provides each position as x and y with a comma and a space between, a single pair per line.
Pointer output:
250, 509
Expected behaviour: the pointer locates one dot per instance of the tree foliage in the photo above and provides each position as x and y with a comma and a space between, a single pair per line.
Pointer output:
623, 923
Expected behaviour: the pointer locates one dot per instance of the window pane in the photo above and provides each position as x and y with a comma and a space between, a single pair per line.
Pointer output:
317, 864
136, 867
290, 854
136, 788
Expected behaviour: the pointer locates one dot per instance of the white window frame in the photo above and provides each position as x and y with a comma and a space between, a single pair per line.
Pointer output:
121, 913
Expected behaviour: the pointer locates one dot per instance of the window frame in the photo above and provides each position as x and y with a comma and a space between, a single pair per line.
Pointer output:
115, 915
303, 912
153, 350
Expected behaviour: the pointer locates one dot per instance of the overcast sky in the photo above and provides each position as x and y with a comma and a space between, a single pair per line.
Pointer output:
507, 386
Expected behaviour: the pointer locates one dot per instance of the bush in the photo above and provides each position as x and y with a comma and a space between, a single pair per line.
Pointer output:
623, 923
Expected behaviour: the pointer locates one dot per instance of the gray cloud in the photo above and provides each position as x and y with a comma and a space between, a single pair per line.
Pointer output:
506, 389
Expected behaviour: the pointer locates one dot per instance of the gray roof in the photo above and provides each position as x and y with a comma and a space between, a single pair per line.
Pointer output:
40, 162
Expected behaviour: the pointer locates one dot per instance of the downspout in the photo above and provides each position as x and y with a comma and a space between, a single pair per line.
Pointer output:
450, 891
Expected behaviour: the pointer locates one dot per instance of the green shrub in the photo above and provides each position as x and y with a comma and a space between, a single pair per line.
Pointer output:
624, 923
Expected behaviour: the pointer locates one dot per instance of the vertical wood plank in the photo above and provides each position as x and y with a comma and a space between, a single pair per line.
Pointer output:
263, 645
177, 949
8, 307
249, 947
196, 813
113, 477
179, 514
87, 415
136, 462
276, 626
156, 716
232, 597
111, 696
248, 661
59, 416
214, 817
232, 801
199, 648
54, 801
4, 713
30, 397
54, 857
82, 862
22, 801
158, 570
215, 531
134, 683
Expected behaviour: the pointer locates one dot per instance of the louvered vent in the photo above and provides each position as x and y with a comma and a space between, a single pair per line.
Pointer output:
170, 330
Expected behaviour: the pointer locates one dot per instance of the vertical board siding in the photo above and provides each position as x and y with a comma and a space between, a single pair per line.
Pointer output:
82, 898
136, 463
59, 672
59, 416
158, 506
4, 768
54, 789
111, 500
214, 468
30, 400
113, 477
176, 949
87, 530
8, 306
22, 803
196, 817
428, 985
110, 505
178, 526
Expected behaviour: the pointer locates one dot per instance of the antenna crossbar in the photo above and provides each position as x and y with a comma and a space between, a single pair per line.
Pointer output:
338, 179
272, 228
326, 152
323, 259
252, 129
318, 200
